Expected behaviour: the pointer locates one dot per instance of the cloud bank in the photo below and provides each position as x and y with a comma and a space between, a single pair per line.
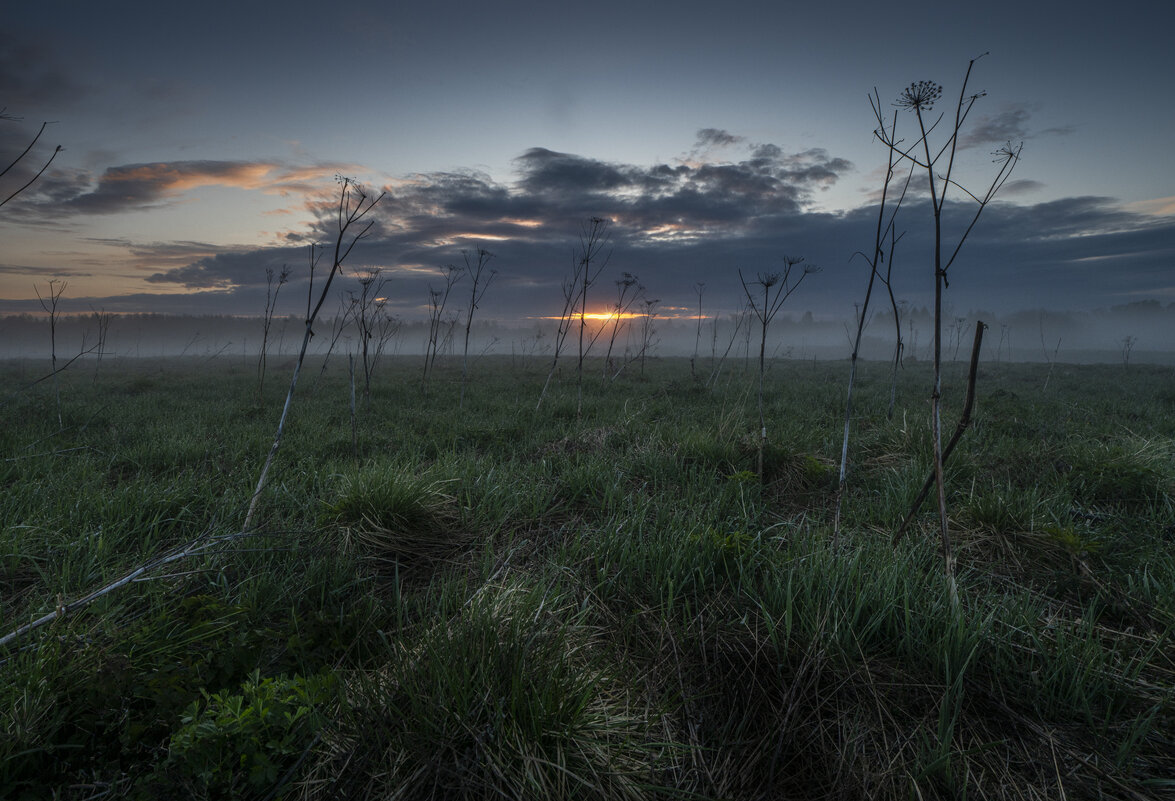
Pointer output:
698, 219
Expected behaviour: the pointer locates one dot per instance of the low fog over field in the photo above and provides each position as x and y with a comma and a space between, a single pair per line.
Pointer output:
1097, 336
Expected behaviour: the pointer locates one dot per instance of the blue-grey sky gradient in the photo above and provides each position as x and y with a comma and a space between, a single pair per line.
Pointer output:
202, 141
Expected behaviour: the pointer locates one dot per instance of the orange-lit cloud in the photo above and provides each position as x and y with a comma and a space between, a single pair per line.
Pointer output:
134, 187
1157, 207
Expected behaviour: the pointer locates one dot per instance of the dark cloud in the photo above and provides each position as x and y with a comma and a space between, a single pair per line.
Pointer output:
1021, 187
230, 270
546, 172
1009, 125
674, 225
715, 137
132, 187
692, 196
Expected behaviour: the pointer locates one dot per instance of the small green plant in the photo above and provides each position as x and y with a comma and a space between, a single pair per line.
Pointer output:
235, 741
1072, 541
722, 540
743, 477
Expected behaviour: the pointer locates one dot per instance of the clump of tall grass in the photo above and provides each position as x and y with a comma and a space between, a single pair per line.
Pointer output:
507, 699
394, 514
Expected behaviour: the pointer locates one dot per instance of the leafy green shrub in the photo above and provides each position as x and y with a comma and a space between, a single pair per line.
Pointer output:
232, 742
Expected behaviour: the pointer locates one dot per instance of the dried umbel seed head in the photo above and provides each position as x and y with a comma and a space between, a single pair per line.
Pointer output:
1006, 153
920, 95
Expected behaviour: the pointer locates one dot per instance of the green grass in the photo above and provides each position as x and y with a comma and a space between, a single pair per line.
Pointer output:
496, 603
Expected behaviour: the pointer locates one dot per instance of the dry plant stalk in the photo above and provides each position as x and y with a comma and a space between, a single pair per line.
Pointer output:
628, 291
885, 232
475, 270
368, 313
437, 300
566, 319
960, 427
25, 152
772, 303
920, 98
49, 303
271, 293
699, 289
354, 205
593, 237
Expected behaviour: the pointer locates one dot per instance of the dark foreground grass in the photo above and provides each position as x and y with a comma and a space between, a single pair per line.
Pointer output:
494, 603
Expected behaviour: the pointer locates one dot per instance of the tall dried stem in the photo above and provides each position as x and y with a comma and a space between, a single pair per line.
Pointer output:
49, 302
883, 232
354, 205
777, 288
475, 269
920, 98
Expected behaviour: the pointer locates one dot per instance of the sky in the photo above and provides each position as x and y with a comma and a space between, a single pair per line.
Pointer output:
202, 144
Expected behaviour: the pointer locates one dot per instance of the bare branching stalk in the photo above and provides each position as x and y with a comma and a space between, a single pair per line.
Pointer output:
920, 98
338, 325
899, 345
368, 308
476, 270
777, 288
957, 336
450, 332
271, 293
102, 320
593, 237
960, 427
20, 158
354, 205
741, 321
1051, 360
648, 331
1128, 343
884, 232
49, 302
699, 288
437, 300
571, 285
387, 326
628, 290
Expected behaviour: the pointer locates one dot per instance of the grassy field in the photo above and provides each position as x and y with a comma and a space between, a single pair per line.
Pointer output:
491, 602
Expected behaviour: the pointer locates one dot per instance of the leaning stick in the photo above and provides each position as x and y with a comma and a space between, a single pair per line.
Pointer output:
964, 422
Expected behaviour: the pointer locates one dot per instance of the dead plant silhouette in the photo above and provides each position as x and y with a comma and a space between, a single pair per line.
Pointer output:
885, 233
920, 98
11, 118
271, 293
371, 320
783, 286
593, 238
475, 269
628, 290
437, 300
354, 204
